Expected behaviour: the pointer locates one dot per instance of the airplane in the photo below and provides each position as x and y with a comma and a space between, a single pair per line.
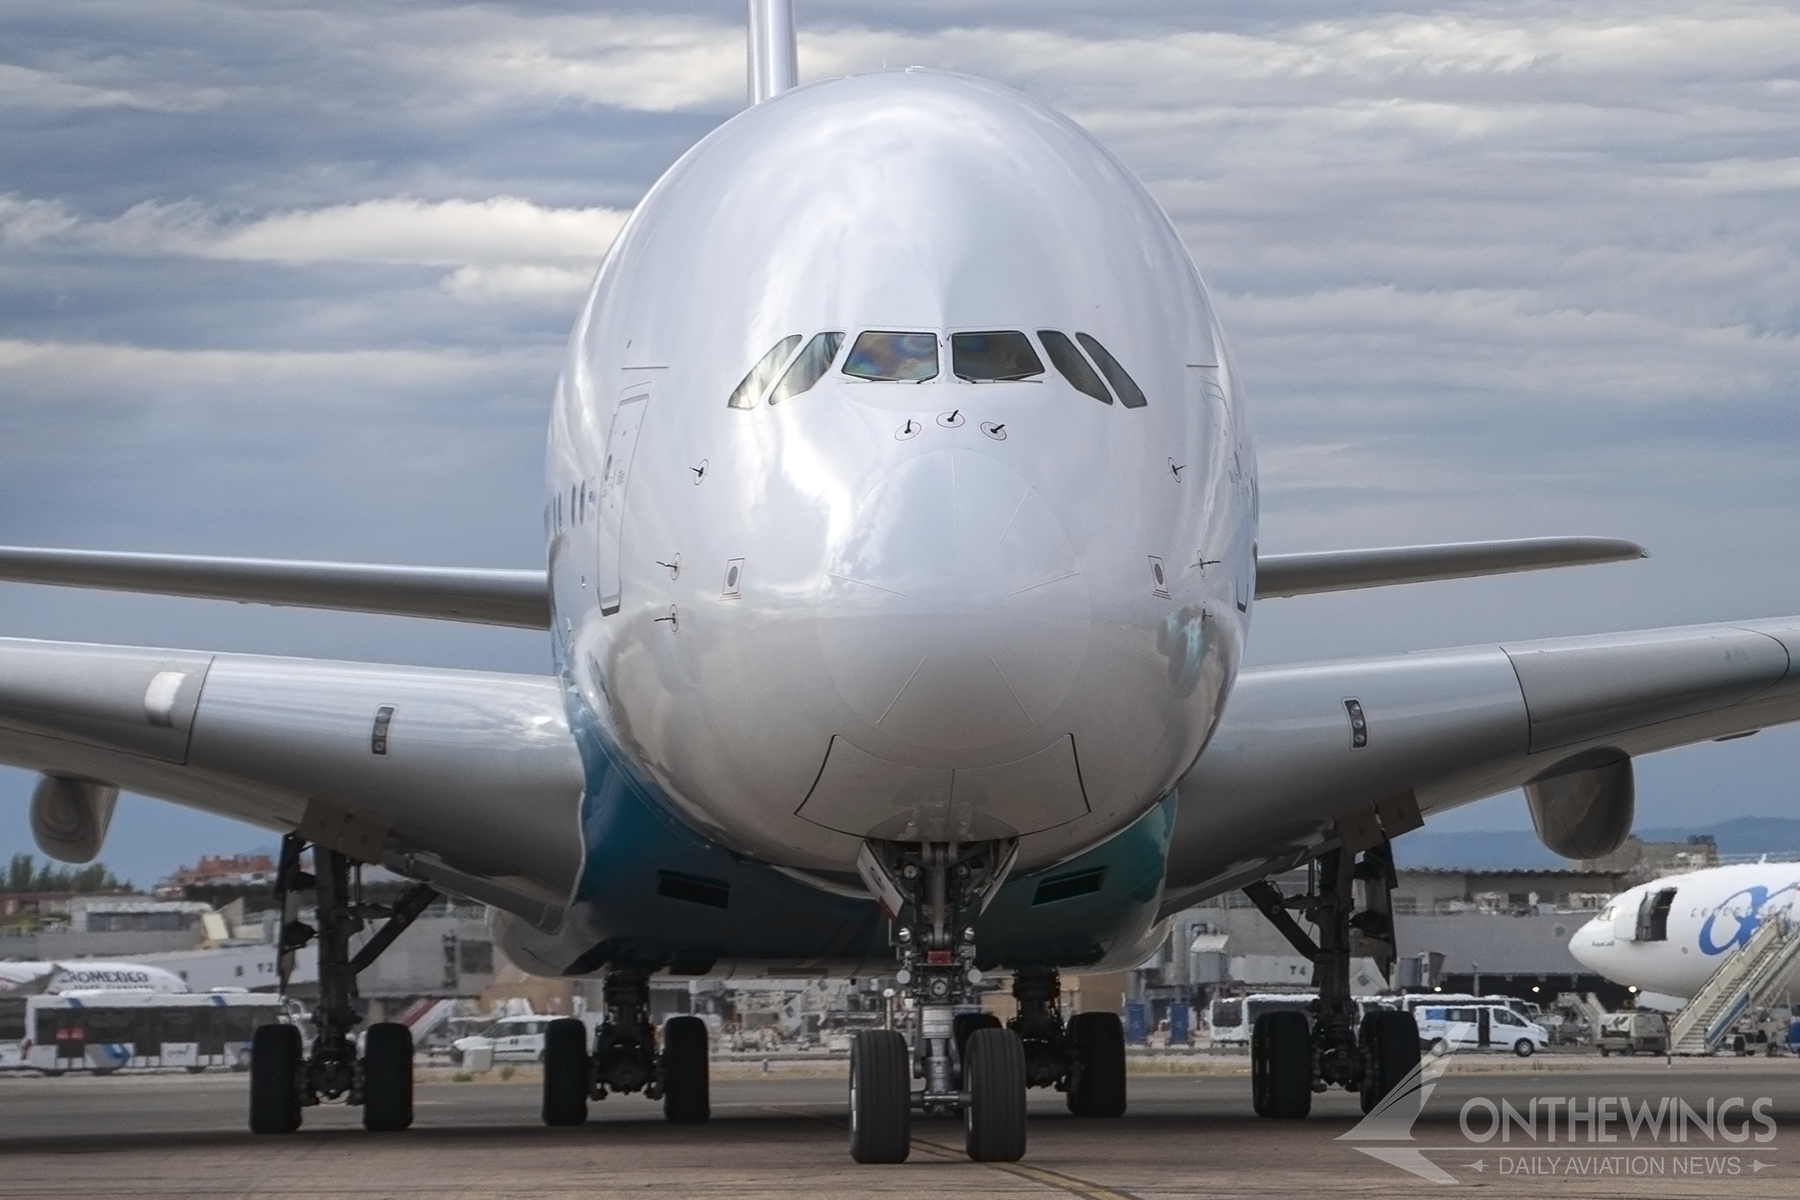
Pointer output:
901, 552
1667, 937
21, 977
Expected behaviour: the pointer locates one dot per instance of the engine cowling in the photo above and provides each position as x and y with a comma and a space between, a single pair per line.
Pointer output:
1583, 806
69, 817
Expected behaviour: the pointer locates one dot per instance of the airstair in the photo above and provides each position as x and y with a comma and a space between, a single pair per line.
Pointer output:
1747, 979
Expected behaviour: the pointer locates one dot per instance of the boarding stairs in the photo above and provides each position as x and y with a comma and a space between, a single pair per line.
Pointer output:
1747, 979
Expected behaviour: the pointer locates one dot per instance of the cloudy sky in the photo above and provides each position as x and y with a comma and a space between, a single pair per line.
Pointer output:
292, 280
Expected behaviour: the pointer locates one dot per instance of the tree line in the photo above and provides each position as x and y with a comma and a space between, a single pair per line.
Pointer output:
25, 874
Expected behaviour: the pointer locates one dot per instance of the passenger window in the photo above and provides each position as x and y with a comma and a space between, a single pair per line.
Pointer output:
757, 381
1074, 368
808, 368
893, 357
1130, 395
993, 357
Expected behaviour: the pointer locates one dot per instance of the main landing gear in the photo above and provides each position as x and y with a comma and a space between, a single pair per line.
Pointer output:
284, 1078
1290, 1057
624, 1057
969, 1065
1083, 1058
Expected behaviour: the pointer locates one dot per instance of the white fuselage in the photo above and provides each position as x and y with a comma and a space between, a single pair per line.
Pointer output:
86, 975
926, 610
1711, 913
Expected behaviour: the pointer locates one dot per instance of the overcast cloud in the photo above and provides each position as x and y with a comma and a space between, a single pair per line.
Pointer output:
294, 280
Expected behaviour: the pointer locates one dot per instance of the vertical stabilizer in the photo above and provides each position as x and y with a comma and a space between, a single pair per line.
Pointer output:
774, 55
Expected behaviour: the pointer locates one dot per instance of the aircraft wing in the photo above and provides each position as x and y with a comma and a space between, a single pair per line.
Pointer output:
1317, 571
521, 598
481, 595
1288, 773
468, 780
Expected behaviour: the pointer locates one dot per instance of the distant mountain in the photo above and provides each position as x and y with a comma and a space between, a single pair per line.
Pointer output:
1498, 850
1475, 850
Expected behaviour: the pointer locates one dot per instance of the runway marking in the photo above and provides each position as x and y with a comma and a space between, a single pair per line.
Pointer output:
1040, 1175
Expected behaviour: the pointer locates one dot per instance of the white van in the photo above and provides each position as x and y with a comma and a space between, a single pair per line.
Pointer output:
1230, 1019
1479, 1027
1413, 1000
511, 1039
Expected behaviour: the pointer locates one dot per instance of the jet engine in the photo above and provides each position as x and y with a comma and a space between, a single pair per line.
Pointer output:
1583, 806
69, 817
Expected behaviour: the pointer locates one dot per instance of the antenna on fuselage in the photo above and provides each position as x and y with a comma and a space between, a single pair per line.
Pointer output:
774, 52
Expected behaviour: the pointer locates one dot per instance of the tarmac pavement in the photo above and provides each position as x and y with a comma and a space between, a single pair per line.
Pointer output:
783, 1134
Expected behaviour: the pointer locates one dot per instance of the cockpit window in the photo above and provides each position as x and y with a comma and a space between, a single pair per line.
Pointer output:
757, 381
895, 357
1073, 367
1130, 394
809, 367
985, 357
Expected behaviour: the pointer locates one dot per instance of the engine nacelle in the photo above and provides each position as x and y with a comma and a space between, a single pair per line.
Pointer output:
69, 817
1583, 806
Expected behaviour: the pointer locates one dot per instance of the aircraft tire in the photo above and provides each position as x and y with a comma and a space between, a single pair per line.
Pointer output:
994, 1078
1391, 1045
1097, 1072
1281, 1066
686, 1091
566, 1072
387, 1077
965, 1024
880, 1097
275, 1065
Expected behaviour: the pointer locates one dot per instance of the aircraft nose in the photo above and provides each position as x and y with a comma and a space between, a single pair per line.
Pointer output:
954, 615
1582, 946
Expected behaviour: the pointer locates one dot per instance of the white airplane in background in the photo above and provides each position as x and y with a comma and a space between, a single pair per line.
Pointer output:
85, 975
1669, 936
901, 537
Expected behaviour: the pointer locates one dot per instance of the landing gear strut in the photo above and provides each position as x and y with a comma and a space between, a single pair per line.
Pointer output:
625, 1057
1369, 1055
970, 1066
1084, 1059
283, 1078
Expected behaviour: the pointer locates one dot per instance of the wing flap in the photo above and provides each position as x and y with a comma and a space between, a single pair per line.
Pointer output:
1346, 570
1283, 776
474, 783
1588, 688
479, 595
135, 701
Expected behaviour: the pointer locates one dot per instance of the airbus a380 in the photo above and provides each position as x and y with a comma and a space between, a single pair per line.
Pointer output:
902, 549
1669, 936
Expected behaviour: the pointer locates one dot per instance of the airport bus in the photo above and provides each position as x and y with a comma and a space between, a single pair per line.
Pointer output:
107, 1031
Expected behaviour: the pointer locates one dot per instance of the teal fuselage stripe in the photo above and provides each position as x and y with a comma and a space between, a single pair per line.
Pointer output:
635, 842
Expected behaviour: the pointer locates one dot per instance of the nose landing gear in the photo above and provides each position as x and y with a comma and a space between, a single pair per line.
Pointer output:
284, 1079
978, 1071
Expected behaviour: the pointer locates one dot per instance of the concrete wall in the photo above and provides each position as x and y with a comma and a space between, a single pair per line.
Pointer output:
1531, 945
